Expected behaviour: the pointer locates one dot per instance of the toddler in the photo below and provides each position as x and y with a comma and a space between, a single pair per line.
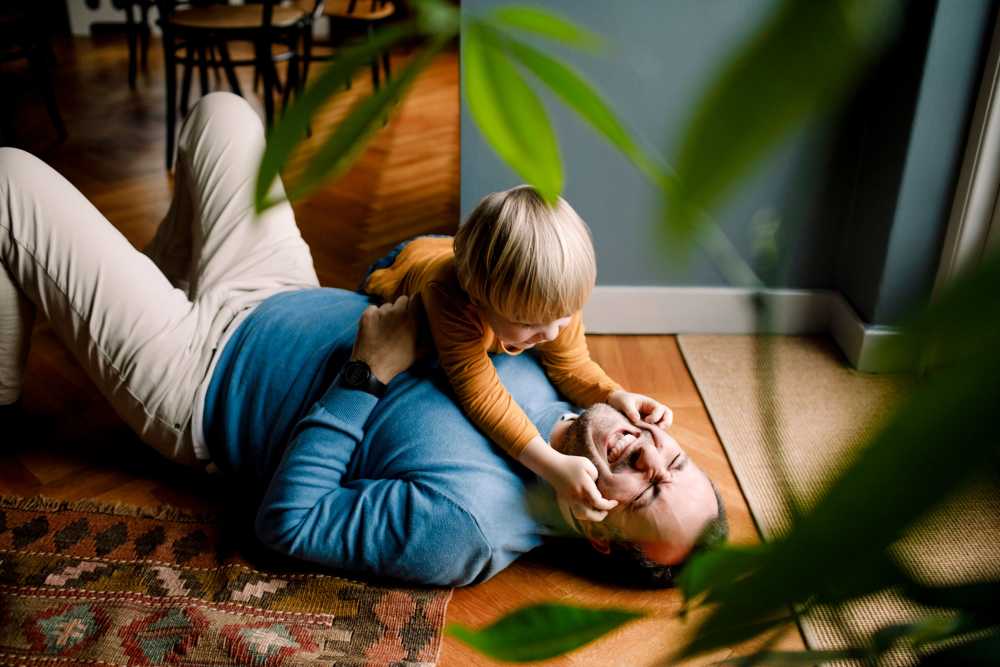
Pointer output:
515, 277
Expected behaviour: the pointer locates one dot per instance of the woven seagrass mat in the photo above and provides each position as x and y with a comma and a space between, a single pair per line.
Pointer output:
95, 584
827, 413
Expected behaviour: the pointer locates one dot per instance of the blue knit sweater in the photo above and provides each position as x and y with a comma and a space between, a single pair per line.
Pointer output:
403, 486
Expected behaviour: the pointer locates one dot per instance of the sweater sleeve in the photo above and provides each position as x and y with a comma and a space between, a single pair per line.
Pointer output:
401, 528
460, 340
568, 364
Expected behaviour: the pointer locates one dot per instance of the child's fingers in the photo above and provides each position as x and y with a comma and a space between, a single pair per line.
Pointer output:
581, 511
594, 498
656, 414
632, 413
604, 504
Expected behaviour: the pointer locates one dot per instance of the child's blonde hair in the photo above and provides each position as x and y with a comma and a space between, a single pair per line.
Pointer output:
528, 261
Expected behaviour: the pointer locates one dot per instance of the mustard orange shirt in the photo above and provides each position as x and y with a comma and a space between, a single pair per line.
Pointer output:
426, 266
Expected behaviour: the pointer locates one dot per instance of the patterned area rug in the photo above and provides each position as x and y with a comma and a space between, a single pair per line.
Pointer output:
90, 584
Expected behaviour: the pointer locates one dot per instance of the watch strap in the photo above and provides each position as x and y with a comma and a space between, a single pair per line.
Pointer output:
357, 375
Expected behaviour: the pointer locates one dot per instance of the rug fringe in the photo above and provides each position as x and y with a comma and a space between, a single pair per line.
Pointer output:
163, 512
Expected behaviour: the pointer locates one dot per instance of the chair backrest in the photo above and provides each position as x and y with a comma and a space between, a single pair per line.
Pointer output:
167, 7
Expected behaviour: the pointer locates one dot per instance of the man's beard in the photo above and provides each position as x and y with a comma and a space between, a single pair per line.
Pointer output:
576, 441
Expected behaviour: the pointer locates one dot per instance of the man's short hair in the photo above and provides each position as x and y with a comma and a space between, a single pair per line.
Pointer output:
631, 562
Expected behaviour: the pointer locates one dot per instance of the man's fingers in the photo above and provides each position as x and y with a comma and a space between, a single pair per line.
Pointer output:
399, 305
591, 472
414, 303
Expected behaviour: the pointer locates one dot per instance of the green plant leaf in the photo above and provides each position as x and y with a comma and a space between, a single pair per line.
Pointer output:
582, 98
953, 323
799, 64
437, 18
510, 115
546, 24
542, 631
290, 129
978, 651
978, 598
717, 635
716, 568
364, 118
796, 657
929, 630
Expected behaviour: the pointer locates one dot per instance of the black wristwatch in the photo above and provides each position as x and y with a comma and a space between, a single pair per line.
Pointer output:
357, 375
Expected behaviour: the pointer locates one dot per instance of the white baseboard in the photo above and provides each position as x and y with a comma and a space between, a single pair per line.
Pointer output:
727, 310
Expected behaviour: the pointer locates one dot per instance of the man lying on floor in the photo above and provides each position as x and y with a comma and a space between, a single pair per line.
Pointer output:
218, 346
404, 485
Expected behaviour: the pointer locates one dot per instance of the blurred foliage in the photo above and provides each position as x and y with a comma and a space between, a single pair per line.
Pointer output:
505, 107
542, 631
796, 66
800, 63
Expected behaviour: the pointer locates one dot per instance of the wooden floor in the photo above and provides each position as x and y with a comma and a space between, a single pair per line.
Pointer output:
68, 444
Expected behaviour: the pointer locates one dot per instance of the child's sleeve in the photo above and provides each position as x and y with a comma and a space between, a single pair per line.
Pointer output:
568, 364
459, 338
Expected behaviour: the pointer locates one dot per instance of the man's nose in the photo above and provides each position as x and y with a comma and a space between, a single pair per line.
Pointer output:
651, 461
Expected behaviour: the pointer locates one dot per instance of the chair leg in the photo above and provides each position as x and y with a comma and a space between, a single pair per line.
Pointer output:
203, 69
131, 33
144, 37
336, 37
266, 66
275, 77
39, 60
227, 66
186, 79
171, 77
307, 42
375, 63
292, 79
386, 65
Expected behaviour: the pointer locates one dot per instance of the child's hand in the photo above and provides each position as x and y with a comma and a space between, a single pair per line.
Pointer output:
639, 408
573, 479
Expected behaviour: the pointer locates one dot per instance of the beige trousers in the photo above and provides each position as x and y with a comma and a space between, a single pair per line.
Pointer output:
146, 327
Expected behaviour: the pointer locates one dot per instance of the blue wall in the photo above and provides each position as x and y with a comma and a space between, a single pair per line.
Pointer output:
863, 193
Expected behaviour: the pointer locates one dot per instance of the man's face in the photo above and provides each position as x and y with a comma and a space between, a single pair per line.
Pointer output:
664, 499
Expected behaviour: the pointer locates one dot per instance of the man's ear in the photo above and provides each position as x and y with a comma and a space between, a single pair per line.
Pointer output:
600, 546
597, 536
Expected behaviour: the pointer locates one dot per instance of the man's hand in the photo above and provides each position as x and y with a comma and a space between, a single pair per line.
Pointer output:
639, 409
388, 337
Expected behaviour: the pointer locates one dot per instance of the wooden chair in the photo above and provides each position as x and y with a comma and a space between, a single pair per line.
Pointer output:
198, 34
137, 33
23, 36
347, 20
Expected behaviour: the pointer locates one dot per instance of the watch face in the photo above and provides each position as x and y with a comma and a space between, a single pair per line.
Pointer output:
356, 374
